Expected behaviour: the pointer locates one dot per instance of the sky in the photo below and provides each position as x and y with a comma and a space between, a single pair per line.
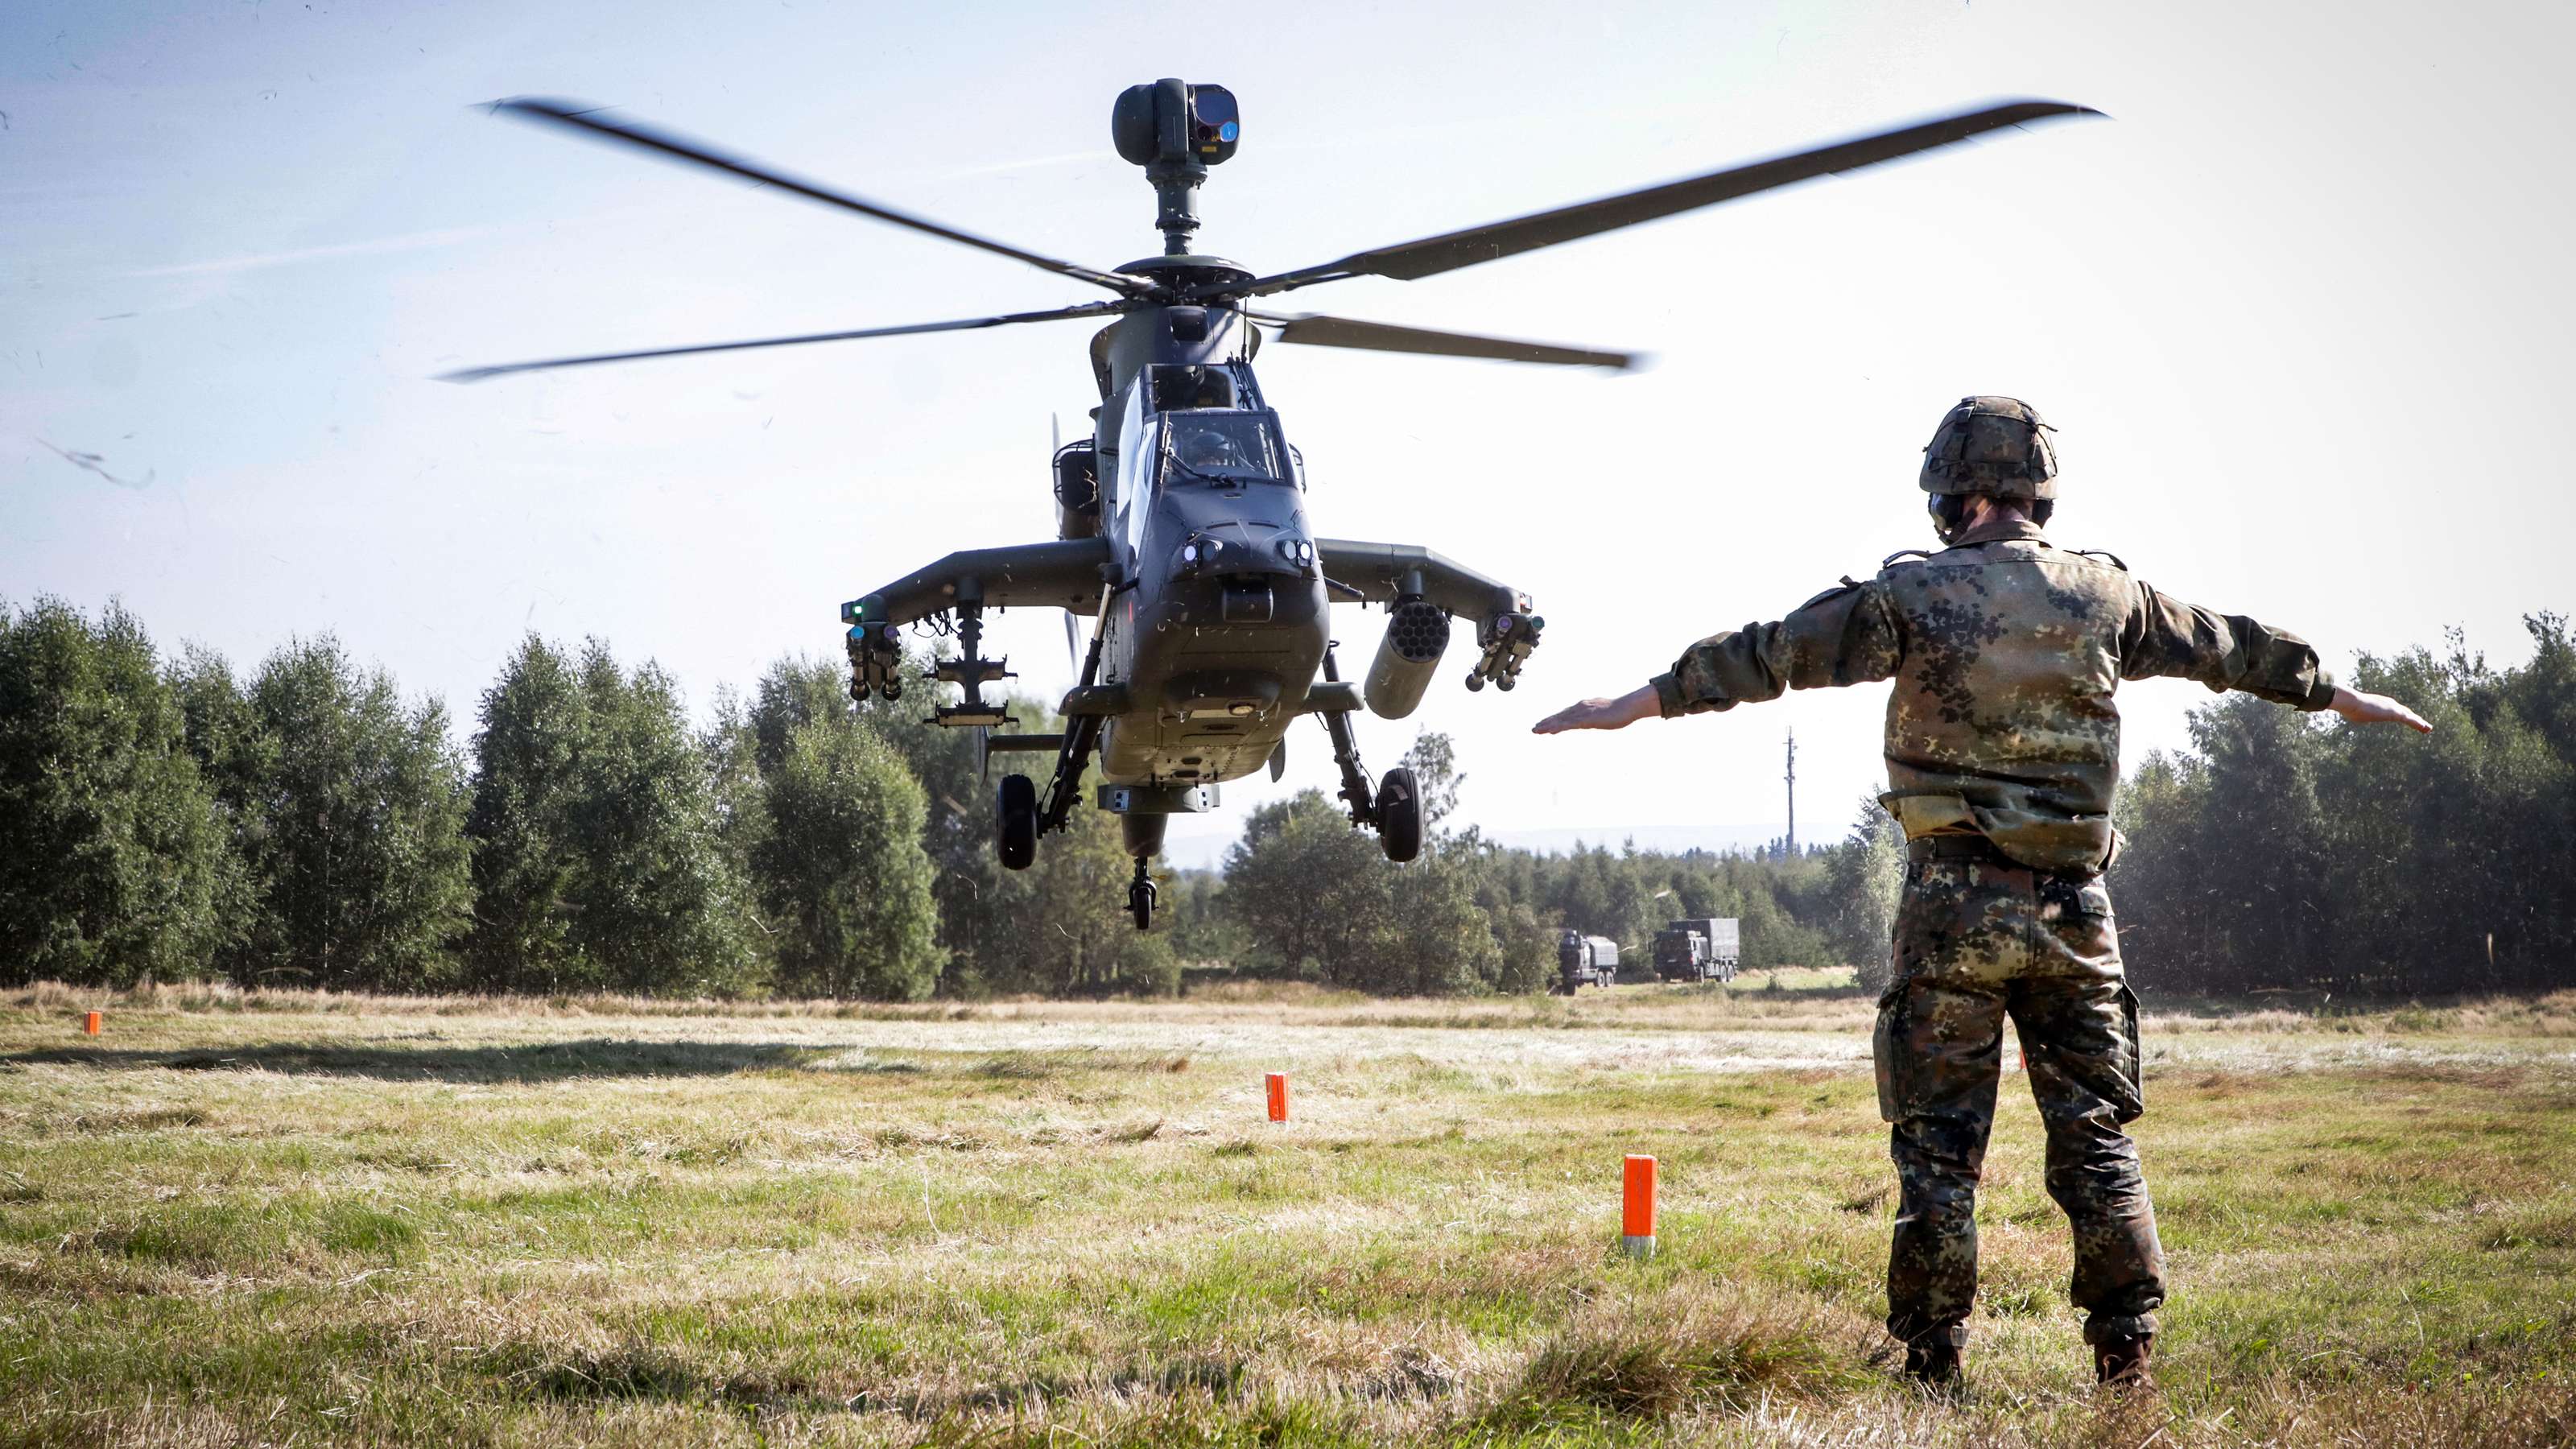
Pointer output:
2299, 310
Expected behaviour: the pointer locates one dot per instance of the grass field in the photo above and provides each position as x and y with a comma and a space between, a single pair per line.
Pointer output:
307, 1219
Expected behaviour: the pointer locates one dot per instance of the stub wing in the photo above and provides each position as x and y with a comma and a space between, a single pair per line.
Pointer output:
1065, 574
1382, 573
1398, 574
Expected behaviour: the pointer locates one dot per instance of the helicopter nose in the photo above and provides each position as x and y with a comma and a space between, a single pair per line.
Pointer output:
1205, 554
1246, 601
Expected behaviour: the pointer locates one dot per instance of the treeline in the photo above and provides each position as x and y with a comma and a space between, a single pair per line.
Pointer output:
309, 825
2283, 851
1303, 896
162, 819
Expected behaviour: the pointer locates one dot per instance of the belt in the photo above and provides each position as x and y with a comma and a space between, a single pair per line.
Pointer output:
1959, 847
1982, 851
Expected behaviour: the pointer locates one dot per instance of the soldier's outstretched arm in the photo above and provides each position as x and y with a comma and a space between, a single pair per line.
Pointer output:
1602, 714
1845, 635
2362, 707
2166, 637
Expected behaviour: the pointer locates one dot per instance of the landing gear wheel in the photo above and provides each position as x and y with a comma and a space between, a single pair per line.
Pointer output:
1399, 815
1015, 822
1140, 898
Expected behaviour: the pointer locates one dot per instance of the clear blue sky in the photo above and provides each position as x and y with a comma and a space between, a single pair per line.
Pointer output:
2300, 312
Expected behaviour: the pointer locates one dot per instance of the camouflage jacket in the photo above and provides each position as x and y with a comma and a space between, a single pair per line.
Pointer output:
2006, 651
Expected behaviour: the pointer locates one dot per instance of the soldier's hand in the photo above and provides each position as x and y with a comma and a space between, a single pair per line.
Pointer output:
1602, 714
2359, 708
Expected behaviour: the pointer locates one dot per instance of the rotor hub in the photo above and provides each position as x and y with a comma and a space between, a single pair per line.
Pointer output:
1191, 274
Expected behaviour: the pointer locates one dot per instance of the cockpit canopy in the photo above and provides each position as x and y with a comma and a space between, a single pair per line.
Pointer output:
1192, 385
1223, 447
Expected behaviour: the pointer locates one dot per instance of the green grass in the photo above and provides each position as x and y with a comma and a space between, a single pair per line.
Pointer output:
275, 1217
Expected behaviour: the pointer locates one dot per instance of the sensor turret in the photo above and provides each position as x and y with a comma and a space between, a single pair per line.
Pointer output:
1176, 131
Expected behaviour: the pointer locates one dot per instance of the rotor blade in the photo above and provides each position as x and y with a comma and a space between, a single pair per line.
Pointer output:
1086, 309
587, 118
1317, 331
1452, 250
1072, 660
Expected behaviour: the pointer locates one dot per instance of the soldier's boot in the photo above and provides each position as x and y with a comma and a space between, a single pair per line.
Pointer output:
1933, 1366
2122, 1364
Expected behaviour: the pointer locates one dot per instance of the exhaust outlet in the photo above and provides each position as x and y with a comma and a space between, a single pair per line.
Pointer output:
1417, 633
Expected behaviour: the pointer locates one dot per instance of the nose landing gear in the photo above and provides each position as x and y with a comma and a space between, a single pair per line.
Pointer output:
1141, 897
1143, 837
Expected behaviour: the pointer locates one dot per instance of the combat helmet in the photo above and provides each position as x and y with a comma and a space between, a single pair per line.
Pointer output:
1992, 445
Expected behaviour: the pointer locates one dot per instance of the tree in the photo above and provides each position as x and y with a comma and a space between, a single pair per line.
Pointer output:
1060, 928
736, 783
655, 906
110, 854
1196, 920
351, 808
841, 869
1864, 875
1439, 942
599, 856
797, 690
1433, 759
978, 900
225, 739
1526, 944
1313, 894
535, 719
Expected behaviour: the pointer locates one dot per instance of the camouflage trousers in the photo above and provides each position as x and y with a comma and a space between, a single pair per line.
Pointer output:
1978, 940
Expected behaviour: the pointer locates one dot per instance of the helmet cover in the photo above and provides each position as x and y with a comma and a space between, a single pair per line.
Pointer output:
1993, 445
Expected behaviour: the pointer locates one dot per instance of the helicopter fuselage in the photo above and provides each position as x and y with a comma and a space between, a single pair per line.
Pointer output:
1218, 623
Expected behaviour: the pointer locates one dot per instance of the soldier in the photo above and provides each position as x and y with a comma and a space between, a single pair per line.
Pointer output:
2003, 747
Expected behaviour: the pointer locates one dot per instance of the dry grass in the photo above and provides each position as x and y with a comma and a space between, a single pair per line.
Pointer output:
268, 1217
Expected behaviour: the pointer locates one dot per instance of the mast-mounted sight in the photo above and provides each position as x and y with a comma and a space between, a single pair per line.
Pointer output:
1176, 131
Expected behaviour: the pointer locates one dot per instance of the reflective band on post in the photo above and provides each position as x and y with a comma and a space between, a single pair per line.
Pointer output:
1278, 1096
1637, 1206
92, 1022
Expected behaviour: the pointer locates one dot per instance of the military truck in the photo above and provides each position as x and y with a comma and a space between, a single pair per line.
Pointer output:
1582, 959
1704, 948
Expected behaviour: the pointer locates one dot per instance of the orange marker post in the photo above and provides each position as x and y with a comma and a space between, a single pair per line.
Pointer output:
1278, 1096
1637, 1206
92, 1022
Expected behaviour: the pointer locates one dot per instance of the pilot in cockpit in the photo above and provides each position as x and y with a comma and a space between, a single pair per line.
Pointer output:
1208, 449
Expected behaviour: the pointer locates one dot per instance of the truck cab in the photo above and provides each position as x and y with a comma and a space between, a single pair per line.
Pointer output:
1681, 955
1583, 960
1700, 949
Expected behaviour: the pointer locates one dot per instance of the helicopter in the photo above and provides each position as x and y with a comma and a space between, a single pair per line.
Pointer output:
1181, 526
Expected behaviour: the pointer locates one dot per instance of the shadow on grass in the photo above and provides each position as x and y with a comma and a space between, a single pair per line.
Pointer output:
528, 1062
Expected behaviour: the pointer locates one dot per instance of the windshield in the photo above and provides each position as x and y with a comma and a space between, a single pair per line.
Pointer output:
1221, 447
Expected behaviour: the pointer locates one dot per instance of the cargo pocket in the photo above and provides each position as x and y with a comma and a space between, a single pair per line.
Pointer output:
2132, 1060
1887, 1051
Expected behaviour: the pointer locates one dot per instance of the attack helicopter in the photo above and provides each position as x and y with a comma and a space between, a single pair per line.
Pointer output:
1181, 527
